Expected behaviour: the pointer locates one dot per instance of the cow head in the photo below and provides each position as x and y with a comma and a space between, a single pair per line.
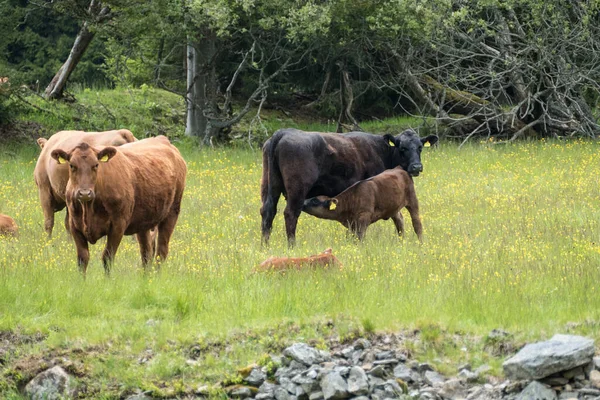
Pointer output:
321, 207
407, 148
83, 163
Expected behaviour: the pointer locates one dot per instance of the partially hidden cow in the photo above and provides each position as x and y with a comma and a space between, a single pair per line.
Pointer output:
8, 226
370, 200
125, 190
51, 178
280, 264
302, 164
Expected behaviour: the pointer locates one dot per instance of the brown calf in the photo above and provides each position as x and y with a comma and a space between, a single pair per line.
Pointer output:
368, 201
8, 226
126, 190
278, 264
51, 178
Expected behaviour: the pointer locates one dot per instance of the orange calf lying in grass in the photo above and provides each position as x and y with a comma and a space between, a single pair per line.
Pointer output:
321, 260
8, 226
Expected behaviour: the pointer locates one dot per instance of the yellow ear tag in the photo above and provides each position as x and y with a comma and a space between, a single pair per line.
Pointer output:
426, 144
104, 158
391, 144
332, 206
61, 160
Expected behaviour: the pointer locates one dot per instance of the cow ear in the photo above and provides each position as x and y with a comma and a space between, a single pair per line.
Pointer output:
390, 140
60, 156
429, 140
106, 154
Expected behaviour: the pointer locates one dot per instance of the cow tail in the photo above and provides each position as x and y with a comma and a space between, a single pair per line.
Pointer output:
274, 172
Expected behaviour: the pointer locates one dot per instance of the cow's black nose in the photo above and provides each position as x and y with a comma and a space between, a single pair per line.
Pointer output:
416, 168
85, 195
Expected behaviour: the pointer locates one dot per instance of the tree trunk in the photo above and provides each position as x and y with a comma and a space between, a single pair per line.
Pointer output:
84, 37
201, 89
346, 100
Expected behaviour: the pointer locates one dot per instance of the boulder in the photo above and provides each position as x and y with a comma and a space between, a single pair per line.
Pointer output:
334, 386
358, 383
537, 391
303, 353
52, 384
539, 360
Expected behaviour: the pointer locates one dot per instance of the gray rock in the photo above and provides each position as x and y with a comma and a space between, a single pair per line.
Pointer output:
572, 373
282, 394
466, 366
316, 396
334, 386
453, 389
379, 371
537, 391
425, 367
256, 377
360, 398
52, 384
342, 370
568, 395
356, 356
555, 381
406, 374
384, 355
392, 389
347, 352
468, 376
303, 353
538, 360
589, 392
267, 388
264, 396
362, 344
288, 385
388, 361
597, 363
241, 392
434, 378
307, 383
595, 379
358, 383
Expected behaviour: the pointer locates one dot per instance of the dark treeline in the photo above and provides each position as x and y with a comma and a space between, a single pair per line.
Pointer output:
507, 68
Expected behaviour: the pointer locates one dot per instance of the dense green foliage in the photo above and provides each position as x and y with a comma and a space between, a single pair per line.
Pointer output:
488, 68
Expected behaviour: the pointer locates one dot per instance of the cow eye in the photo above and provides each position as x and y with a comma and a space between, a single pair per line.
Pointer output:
73, 168
95, 167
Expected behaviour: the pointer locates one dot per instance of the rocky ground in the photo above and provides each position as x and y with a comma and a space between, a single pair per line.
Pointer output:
563, 367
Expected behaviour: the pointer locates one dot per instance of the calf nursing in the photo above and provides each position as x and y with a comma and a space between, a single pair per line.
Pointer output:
368, 201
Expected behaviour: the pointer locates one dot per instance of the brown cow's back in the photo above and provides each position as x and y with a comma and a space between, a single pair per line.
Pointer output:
8, 226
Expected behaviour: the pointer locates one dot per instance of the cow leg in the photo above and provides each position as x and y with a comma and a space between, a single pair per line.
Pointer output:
291, 214
83, 253
113, 240
165, 230
362, 225
399, 222
47, 201
146, 247
268, 211
416, 220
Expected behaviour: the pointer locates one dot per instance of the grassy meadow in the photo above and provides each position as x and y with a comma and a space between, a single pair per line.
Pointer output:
511, 241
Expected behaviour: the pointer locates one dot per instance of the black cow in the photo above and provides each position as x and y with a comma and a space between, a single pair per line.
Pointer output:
302, 164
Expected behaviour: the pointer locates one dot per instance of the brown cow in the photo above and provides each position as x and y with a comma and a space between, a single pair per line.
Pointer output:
279, 264
126, 190
51, 178
8, 226
368, 201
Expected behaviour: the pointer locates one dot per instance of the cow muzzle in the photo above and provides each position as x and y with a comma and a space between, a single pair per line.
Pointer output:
415, 169
85, 195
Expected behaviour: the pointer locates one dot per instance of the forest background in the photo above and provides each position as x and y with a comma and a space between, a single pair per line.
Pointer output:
496, 68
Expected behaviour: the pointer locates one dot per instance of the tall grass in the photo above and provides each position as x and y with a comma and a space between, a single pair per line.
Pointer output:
512, 240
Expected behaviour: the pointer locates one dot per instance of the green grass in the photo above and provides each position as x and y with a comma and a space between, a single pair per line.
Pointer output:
512, 240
